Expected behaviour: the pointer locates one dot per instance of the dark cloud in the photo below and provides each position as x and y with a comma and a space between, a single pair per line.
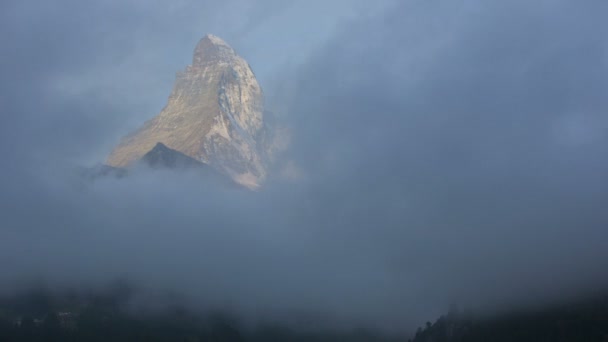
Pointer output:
473, 136
449, 152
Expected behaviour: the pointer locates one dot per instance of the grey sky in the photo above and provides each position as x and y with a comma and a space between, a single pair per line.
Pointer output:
449, 152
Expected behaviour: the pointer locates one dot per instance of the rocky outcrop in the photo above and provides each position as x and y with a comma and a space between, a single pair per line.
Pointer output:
162, 157
215, 115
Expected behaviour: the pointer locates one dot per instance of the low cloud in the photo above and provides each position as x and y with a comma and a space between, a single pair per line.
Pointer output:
444, 153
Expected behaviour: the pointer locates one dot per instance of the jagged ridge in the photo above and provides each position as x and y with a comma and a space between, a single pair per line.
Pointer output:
214, 115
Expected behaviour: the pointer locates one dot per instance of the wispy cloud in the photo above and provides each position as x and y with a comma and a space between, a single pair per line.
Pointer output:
447, 151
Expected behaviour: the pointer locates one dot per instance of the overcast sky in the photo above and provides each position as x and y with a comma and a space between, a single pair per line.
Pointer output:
447, 152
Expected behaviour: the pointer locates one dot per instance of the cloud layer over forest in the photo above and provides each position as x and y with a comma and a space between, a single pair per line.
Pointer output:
449, 152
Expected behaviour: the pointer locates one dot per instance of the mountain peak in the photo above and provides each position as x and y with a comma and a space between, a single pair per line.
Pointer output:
215, 40
214, 115
211, 49
160, 147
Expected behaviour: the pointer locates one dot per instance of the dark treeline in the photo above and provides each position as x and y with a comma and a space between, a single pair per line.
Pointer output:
581, 321
107, 316
44, 316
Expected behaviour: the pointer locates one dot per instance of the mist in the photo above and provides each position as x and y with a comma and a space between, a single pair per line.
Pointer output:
440, 153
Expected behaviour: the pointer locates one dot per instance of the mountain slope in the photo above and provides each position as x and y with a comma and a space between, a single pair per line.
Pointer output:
214, 115
163, 157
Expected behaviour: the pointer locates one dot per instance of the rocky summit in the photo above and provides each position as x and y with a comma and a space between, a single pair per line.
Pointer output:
215, 115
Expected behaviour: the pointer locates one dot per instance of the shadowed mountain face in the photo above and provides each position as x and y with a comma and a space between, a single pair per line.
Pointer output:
214, 115
163, 157
160, 158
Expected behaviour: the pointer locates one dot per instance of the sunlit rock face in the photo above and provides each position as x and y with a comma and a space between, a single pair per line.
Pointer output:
214, 115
